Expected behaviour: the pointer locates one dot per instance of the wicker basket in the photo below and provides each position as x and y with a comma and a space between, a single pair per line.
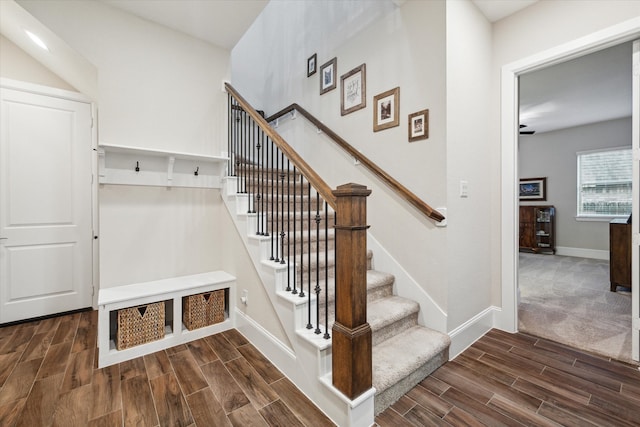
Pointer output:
140, 324
203, 310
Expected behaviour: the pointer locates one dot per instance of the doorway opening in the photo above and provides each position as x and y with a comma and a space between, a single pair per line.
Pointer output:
575, 138
628, 31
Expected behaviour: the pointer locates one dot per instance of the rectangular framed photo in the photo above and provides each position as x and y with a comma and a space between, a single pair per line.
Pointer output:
419, 125
353, 90
311, 64
533, 189
328, 76
386, 110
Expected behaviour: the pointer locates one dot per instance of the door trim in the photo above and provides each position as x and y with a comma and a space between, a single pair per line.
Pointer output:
507, 319
78, 97
635, 239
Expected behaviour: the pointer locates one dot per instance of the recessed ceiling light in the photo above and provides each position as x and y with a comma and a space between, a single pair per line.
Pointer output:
37, 40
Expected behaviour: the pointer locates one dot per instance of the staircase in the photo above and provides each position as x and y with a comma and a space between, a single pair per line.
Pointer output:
294, 233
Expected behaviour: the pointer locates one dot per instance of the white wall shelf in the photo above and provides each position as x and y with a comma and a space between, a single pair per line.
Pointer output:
171, 292
117, 165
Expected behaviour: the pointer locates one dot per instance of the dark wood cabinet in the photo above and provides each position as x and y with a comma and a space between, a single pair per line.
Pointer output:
537, 229
619, 254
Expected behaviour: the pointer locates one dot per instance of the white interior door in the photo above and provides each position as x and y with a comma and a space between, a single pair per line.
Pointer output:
45, 205
635, 221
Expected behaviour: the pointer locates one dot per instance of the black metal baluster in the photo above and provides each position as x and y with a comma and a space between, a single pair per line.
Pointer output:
236, 143
301, 294
309, 326
276, 183
317, 288
232, 154
229, 121
245, 152
241, 150
295, 243
289, 239
258, 185
282, 233
308, 237
252, 155
262, 167
326, 271
272, 204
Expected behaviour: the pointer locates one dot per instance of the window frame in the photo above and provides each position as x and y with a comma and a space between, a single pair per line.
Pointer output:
596, 217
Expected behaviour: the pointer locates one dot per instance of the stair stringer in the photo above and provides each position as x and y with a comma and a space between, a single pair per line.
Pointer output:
307, 363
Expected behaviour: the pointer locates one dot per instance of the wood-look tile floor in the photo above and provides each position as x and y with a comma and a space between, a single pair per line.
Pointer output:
49, 377
516, 379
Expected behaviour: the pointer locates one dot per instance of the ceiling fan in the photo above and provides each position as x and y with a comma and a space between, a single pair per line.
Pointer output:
526, 132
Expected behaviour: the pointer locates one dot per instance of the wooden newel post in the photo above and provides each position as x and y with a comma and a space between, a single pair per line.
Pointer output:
351, 352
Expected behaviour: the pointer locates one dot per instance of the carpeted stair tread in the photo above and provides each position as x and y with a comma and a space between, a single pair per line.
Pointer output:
397, 359
379, 285
386, 311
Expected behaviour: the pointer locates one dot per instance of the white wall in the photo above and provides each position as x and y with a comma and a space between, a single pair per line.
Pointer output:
159, 89
553, 154
535, 29
402, 47
468, 159
16, 64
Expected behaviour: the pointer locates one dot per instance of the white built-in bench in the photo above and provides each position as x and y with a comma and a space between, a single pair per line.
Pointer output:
171, 292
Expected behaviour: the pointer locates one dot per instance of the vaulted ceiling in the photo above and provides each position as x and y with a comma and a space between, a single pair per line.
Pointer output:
220, 22
584, 90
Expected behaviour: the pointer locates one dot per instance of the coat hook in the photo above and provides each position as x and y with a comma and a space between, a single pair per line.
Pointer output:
196, 171
137, 167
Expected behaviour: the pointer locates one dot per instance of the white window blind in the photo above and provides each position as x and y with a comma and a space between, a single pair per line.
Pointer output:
604, 183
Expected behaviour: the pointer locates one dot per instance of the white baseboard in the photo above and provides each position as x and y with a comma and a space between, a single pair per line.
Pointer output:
471, 330
273, 349
582, 253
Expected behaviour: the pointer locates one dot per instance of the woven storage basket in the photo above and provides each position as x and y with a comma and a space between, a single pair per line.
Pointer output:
139, 325
204, 309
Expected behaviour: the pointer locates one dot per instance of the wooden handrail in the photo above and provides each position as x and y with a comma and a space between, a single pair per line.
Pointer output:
403, 191
303, 167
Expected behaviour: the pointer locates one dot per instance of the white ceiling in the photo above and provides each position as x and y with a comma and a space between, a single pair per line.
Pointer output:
585, 90
220, 22
495, 10
223, 22
589, 89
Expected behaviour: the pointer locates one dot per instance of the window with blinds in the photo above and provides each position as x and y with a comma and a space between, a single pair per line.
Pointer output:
604, 182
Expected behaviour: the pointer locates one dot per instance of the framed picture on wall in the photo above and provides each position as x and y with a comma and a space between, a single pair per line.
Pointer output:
533, 189
419, 125
386, 110
328, 76
312, 64
353, 90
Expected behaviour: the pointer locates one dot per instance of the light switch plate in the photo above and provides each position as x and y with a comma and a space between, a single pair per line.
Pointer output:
464, 188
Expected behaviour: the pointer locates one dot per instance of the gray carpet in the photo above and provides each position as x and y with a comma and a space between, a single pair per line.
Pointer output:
567, 300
